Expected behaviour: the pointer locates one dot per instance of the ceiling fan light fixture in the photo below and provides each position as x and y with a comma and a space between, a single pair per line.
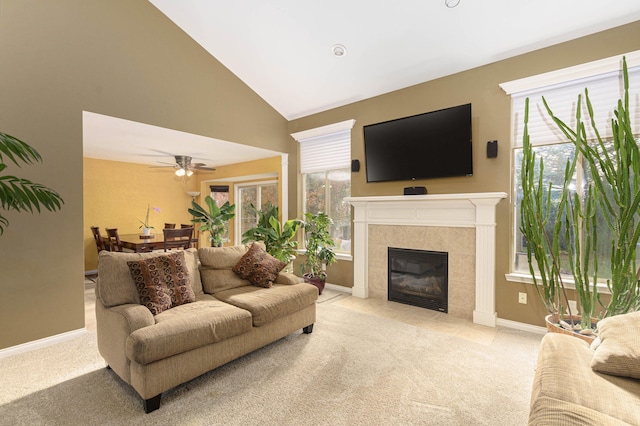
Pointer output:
180, 172
189, 172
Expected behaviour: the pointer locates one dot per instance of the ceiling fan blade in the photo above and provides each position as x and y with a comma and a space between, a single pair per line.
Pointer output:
203, 167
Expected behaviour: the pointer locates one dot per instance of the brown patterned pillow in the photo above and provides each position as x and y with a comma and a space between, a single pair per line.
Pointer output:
162, 282
249, 261
266, 272
258, 266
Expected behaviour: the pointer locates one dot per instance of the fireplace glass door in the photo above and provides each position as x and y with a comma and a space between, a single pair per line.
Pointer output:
419, 278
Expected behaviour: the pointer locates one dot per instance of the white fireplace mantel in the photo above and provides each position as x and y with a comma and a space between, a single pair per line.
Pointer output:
476, 210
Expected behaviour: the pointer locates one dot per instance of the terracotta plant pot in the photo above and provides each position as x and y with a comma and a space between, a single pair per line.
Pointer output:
553, 327
316, 281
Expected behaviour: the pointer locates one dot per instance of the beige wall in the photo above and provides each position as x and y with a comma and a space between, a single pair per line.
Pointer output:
491, 120
121, 58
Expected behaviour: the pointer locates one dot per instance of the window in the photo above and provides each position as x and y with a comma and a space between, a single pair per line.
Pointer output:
325, 166
220, 194
561, 89
258, 194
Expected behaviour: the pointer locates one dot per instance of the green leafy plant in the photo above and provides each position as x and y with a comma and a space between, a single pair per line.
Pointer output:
614, 168
21, 194
278, 238
319, 245
213, 220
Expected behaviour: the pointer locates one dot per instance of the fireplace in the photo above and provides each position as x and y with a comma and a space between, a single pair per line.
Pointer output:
445, 222
418, 278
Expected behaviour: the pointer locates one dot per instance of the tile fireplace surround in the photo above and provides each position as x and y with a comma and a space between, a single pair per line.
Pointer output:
440, 222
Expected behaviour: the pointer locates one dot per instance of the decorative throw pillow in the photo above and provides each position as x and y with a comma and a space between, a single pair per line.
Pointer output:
162, 282
249, 261
258, 267
618, 353
266, 272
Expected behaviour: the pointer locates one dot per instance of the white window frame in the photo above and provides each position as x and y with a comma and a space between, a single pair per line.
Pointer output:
237, 188
541, 135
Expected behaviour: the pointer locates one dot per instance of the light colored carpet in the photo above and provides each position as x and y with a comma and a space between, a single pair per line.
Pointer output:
354, 369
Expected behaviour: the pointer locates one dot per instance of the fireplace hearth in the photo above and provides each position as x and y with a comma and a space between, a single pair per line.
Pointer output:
418, 278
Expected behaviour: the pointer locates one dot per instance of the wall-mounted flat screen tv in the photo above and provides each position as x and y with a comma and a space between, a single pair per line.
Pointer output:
430, 145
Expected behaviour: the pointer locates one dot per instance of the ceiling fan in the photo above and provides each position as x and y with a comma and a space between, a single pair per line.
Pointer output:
184, 166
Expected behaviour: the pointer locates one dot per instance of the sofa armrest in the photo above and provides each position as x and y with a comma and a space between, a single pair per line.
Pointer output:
135, 316
113, 327
288, 278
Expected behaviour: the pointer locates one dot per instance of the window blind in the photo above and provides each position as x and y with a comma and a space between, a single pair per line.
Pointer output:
219, 188
604, 91
325, 153
325, 148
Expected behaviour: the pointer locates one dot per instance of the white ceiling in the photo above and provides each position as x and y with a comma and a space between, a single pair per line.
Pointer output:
116, 139
282, 50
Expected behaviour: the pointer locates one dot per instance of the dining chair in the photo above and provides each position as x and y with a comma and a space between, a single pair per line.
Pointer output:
177, 238
99, 240
186, 225
114, 239
169, 226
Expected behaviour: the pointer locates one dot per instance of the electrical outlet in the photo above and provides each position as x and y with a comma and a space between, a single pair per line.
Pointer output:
522, 298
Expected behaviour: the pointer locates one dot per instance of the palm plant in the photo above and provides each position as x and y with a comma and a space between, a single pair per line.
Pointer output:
214, 220
614, 168
278, 238
21, 194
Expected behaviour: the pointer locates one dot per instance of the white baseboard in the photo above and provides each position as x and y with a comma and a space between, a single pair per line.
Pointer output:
41, 343
521, 326
338, 288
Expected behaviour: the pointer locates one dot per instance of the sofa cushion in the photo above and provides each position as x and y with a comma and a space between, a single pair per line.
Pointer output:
216, 268
268, 304
187, 327
162, 282
258, 267
115, 285
619, 350
567, 391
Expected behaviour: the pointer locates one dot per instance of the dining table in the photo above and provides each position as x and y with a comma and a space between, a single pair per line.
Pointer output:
144, 243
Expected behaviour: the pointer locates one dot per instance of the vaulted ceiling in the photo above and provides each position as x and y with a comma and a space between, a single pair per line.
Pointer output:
283, 50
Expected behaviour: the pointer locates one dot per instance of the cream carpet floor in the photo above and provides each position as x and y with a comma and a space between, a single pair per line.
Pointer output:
354, 369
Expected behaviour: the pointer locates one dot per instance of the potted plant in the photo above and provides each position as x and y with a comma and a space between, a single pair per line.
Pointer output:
214, 220
21, 194
278, 238
319, 248
611, 197
146, 225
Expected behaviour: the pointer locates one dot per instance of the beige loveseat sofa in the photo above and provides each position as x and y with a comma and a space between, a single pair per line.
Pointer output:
581, 384
229, 318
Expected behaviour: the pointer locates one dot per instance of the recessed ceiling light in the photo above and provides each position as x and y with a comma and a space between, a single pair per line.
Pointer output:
339, 50
451, 3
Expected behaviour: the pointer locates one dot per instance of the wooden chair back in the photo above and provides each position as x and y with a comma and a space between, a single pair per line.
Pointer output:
99, 240
177, 238
169, 226
114, 239
186, 225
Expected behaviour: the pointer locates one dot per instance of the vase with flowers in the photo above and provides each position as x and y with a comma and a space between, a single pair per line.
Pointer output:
146, 226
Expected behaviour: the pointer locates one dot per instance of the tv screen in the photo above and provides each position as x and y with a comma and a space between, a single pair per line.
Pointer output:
430, 145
